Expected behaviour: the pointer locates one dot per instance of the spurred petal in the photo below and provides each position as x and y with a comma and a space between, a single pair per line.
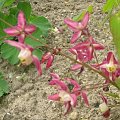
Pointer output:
21, 38
54, 97
71, 24
76, 67
15, 44
84, 96
75, 36
85, 19
13, 31
49, 62
37, 63
30, 29
21, 20
73, 100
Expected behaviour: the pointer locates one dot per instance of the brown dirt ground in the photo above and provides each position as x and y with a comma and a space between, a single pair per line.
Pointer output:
28, 97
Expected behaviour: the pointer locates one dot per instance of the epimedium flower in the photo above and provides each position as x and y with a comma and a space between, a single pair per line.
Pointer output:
78, 28
67, 93
25, 55
110, 67
84, 50
21, 29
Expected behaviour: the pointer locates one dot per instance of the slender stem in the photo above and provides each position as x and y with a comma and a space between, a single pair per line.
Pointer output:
4, 37
63, 54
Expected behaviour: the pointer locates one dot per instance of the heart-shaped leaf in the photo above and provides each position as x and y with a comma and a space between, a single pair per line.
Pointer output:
42, 23
10, 53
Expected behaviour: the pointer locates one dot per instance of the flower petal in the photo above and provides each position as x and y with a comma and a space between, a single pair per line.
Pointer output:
21, 38
67, 107
76, 67
54, 97
73, 100
71, 24
37, 63
30, 29
49, 62
61, 85
13, 31
84, 96
75, 36
45, 57
21, 20
15, 44
85, 20
73, 51
54, 76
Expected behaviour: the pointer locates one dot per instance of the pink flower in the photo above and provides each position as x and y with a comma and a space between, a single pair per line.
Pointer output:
22, 29
78, 28
66, 93
48, 58
26, 57
104, 108
84, 51
110, 67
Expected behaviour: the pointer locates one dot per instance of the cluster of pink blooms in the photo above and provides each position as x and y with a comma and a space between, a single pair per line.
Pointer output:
84, 52
21, 30
68, 92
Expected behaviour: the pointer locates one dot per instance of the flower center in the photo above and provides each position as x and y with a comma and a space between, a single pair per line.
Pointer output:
111, 68
25, 56
64, 96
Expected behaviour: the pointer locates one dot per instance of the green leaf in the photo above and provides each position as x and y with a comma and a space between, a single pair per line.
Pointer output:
81, 15
115, 30
110, 4
6, 3
117, 81
37, 34
114, 95
26, 8
4, 88
10, 19
14, 11
10, 53
42, 23
38, 53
